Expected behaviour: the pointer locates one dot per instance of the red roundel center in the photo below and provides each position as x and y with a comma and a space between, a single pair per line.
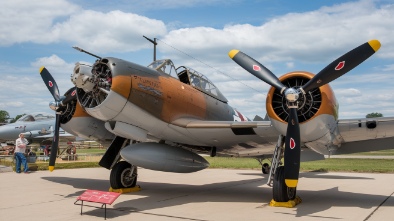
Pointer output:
50, 84
340, 65
256, 68
292, 143
73, 93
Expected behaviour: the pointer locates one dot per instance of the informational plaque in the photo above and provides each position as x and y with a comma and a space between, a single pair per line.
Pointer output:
99, 196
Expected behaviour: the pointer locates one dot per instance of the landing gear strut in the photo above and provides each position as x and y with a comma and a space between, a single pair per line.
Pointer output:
123, 175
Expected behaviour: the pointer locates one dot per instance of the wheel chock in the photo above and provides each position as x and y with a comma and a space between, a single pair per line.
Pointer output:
288, 204
125, 190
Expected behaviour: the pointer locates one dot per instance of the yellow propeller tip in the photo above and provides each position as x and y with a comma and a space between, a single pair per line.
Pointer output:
41, 68
232, 53
291, 183
51, 168
375, 44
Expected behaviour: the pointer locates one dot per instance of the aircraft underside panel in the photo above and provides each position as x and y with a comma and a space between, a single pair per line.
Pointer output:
88, 128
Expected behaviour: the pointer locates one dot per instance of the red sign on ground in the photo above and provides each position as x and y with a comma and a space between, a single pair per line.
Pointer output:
99, 196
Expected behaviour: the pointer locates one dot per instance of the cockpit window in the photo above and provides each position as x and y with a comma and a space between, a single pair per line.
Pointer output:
36, 117
199, 81
43, 116
26, 118
165, 66
188, 76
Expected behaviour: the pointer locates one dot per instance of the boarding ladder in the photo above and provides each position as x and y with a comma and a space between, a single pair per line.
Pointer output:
278, 153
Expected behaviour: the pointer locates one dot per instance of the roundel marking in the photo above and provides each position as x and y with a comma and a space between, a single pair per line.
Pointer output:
292, 143
340, 65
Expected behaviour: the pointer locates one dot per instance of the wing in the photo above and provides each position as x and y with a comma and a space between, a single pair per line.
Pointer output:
192, 123
245, 138
366, 134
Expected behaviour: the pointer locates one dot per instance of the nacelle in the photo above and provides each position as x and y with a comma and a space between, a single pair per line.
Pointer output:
315, 108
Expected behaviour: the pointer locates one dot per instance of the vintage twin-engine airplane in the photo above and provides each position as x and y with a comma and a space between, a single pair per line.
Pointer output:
36, 127
159, 117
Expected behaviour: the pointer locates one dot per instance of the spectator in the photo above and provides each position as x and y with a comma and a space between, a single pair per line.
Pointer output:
20, 149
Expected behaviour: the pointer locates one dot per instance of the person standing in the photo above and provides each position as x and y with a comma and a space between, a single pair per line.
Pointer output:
20, 149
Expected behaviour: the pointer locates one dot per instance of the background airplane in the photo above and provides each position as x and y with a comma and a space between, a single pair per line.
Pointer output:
36, 127
160, 116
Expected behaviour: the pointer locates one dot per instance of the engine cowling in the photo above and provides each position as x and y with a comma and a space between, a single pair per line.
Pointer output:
95, 84
76, 121
315, 108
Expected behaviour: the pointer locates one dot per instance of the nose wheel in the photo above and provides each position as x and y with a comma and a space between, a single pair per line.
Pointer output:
265, 168
282, 193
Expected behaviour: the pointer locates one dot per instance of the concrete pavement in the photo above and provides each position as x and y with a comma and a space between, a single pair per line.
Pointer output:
211, 194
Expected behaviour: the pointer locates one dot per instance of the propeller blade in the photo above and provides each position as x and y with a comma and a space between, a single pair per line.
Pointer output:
55, 144
292, 149
257, 69
72, 95
342, 65
50, 83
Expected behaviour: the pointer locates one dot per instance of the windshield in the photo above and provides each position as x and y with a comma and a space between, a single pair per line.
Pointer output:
164, 66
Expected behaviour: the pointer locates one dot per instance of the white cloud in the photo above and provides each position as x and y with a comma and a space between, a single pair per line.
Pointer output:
46, 22
166, 4
115, 31
11, 104
349, 92
31, 21
283, 43
388, 68
29, 93
53, 61
320, 35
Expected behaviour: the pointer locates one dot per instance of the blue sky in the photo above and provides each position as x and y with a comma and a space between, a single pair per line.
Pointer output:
283, 35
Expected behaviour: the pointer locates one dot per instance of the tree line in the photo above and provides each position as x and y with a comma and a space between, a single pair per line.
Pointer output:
5, 116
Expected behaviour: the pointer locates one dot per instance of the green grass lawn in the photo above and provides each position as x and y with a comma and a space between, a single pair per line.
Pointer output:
333, 164
343, 165
350, 165
376, 153
328, 165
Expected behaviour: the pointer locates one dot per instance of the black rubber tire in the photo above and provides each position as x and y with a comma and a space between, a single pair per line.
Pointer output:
120, 176
279, 188
265, 168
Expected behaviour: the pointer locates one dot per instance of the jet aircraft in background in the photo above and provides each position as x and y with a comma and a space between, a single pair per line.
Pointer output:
36, 127
159, 116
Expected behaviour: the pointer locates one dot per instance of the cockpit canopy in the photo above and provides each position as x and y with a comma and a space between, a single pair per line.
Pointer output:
165, 66
199, 81
188, 76
36, 117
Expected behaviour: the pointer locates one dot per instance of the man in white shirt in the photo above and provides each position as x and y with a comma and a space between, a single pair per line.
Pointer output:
20, 149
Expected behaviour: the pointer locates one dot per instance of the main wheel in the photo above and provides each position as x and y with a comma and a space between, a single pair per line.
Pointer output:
281, 192
123, 175
265, 168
